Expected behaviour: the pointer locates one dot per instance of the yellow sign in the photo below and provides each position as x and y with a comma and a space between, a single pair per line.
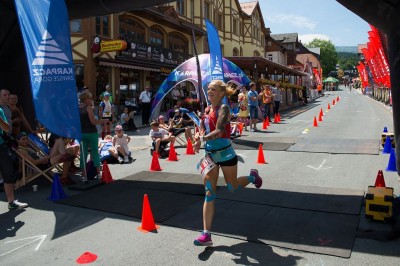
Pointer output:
115, 45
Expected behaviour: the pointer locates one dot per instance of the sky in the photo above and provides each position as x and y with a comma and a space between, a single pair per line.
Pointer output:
323, 19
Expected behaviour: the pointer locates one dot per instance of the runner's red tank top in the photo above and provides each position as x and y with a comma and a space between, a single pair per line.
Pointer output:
212, 122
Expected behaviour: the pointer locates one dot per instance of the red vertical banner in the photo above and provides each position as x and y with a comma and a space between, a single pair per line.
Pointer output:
317, 77
368, 60
363, 74
384, 62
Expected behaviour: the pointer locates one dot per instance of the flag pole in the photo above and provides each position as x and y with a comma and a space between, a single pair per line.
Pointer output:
199, 84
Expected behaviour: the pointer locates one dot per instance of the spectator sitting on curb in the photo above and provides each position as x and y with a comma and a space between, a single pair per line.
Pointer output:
127, 122
120, 142
159, 135
108, 152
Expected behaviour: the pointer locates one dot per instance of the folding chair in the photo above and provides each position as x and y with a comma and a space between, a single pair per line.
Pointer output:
30, 171
180, 140
42, 131
40, 146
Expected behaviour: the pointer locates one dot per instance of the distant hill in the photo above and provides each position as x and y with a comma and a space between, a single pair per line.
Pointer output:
346, 49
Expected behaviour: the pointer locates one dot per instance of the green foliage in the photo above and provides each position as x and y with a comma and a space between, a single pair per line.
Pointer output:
348, 60
329, 57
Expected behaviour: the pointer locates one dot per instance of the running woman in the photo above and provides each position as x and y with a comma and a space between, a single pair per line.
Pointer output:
215, 133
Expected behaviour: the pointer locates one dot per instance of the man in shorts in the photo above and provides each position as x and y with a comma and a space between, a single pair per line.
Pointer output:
6, 167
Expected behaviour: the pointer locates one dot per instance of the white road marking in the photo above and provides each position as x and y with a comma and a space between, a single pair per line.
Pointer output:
320, 166
35, 238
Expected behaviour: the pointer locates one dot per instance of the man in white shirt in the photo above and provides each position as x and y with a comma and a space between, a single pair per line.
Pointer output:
145, 102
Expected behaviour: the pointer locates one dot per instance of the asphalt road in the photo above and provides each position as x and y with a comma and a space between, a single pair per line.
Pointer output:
47, 233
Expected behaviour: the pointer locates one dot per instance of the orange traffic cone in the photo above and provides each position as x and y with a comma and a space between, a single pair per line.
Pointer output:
321, 112
380, 181
155, 164
333, 102
337, 98
240, 126
86, 258
260, 158
148, 223
106, 176
172, 153
279, 117
329, 106
189, 148
315, 122
264, 124
275, 119
267, 121
320, 117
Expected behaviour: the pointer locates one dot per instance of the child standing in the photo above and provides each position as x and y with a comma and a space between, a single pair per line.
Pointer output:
120, 141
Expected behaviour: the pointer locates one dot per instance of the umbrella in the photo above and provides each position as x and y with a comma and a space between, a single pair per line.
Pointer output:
330, 79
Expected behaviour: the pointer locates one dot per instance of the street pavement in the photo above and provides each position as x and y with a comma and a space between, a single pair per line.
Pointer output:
55, 234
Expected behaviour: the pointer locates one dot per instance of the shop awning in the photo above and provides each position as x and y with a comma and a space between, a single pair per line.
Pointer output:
124, 65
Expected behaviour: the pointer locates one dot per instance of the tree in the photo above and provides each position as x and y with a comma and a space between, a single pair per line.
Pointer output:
347, 61
329, 56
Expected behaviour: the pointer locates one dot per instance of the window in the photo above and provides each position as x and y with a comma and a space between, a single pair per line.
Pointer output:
131, 30
256, 27
269, 43
240, 29
177, 42
205, 44
192, 10
256, 53
103, 77
75, 25
156, 37
235, 52
235, 26
289, 46
270, 57
129, 85
180, 7
103, 26
207, 10
219, 21
79, 71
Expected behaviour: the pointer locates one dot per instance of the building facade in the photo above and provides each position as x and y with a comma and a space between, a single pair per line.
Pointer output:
162, 37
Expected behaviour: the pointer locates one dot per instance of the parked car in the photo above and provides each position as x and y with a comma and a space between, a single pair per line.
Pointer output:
132, 105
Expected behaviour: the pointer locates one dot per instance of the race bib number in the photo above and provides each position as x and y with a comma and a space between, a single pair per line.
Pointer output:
205, 165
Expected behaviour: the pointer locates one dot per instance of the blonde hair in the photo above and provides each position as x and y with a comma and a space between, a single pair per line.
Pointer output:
226, 88
266, 87
84, 96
